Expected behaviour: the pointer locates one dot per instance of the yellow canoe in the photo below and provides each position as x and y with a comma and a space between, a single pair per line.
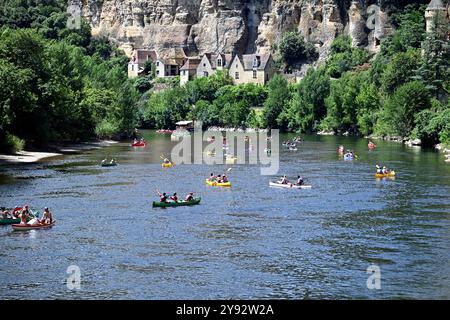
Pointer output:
215, 184
167, 165
385, 175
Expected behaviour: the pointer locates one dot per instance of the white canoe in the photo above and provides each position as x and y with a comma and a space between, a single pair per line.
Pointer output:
288, 186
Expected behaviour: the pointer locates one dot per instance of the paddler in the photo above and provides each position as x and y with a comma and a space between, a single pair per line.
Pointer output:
23, 216
284, 180
174, 197
5, 213
189, 197
162, 197
166, 161
299, 181
47, 217
224, 178
212, 177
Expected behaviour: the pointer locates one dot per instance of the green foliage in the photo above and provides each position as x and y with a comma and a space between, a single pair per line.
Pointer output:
410, 32
344, 57
277, 97
400, 109
435, 68
400, 70
307, 107
11, 143
293, 48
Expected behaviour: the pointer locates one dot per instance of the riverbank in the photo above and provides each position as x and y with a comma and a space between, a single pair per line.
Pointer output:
53, 151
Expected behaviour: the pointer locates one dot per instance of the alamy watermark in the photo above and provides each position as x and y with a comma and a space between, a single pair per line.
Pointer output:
373, 19
231, 148
74, 17
74, 278
374, 280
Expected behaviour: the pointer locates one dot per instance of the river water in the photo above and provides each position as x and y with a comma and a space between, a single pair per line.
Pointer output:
247, 242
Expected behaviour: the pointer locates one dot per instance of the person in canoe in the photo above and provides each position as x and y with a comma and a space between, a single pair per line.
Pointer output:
162, 197
166, 161
189, 197
224, 178
283, 180
299, 181
113, 161
219, 178
6, 214
24, 215
212, 177
174, 197
379, 170
47, 217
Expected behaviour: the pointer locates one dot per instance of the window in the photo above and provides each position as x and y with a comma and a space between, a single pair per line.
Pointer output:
157, 63
219, 62
236, 75
157, 72
205, 73
204, 64
255, 74
132, 67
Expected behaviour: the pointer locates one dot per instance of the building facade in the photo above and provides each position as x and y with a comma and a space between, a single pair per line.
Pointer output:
138, 61
212, 62
189, 70
252, 68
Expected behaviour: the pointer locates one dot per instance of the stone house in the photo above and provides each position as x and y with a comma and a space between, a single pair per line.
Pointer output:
211, 62
170, 62
189, 70
138, 60
252, 68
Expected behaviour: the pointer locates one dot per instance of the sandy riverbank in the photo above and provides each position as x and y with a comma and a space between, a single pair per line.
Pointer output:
35, 156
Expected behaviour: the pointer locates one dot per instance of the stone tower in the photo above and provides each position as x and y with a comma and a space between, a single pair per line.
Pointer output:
435, 8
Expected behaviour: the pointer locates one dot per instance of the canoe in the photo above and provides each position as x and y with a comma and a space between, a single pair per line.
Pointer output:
371, 146
288, 186
167, 165
26, 227
215, 184
385, 175
348, 157
157, 204
108, 164
139, 144
9, 221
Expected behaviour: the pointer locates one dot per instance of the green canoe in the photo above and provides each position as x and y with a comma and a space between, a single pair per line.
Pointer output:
9, 221
108, 164
176, 204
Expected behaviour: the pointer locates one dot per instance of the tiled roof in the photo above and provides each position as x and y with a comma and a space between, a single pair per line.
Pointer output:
226, 59
249, 59
191, 64
141, 56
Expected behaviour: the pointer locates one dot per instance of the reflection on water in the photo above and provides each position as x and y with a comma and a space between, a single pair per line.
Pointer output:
245, 242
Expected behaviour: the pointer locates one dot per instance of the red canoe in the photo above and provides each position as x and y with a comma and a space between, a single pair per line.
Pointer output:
26, 227
371, 146
139, 144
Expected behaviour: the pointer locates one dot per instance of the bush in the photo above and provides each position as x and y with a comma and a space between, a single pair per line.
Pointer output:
107, 129
11, 143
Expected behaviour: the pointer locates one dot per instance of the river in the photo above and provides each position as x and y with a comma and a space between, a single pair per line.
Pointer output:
246, 242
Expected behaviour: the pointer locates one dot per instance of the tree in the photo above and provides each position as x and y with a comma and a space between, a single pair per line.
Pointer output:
435, 68
294, 49
307, 107
400, 110
400, 70
277, 98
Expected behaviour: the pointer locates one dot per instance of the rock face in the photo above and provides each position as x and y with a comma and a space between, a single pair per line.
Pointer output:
240, 26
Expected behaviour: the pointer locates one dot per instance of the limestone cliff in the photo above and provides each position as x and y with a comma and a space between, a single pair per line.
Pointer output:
241, 26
